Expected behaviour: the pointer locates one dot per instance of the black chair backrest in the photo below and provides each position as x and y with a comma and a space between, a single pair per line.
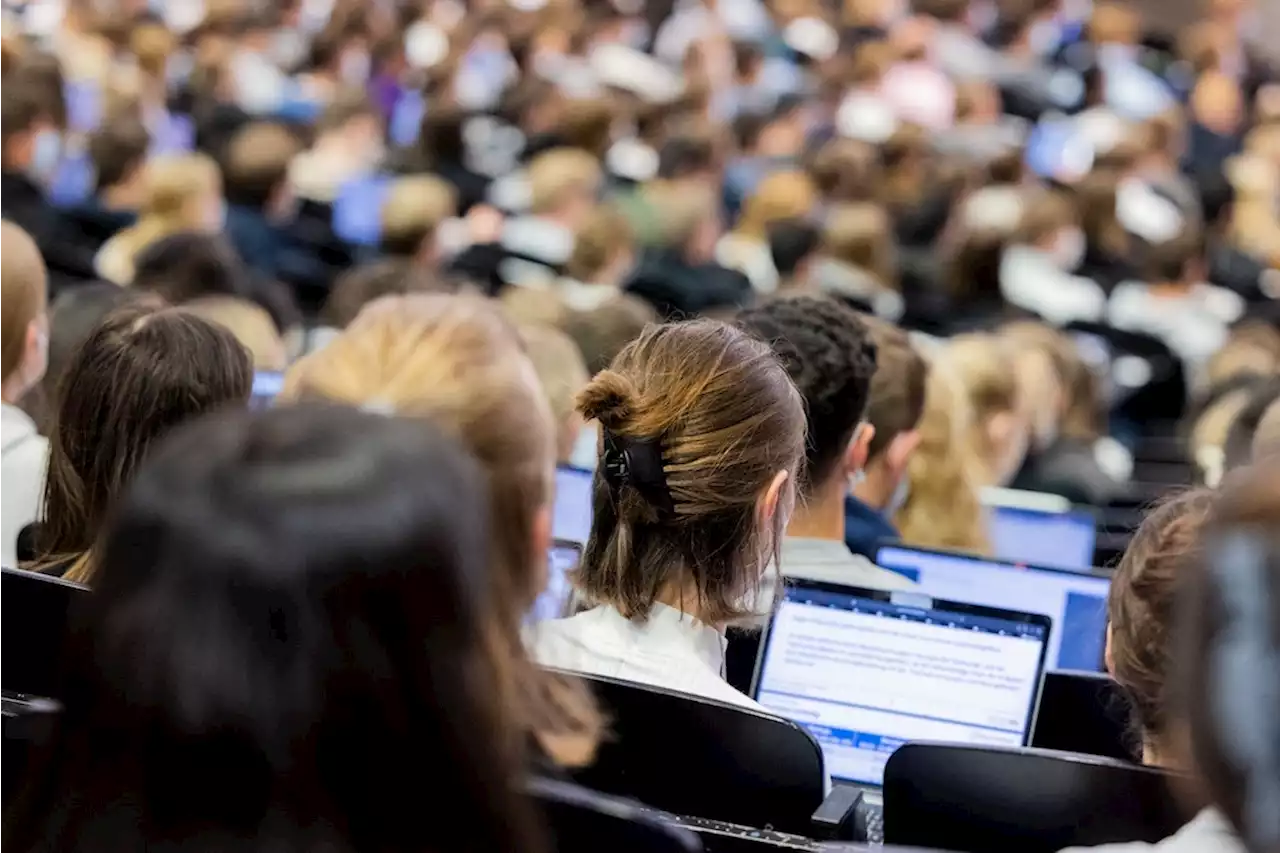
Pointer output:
1156, 393
979, 799
28, 728
584, 821
695, 756
36, 613
1084, 712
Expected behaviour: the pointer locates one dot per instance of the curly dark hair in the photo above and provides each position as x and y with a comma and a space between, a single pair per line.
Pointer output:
828, 352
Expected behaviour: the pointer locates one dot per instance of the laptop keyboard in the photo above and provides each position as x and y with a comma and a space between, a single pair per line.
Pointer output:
868, 821
768, 839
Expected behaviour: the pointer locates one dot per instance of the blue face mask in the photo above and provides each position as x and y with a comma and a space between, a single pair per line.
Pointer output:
46, 154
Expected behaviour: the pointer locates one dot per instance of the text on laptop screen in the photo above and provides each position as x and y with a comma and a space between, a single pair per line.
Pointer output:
572, 515
1077, 603
865, 675
1062, 539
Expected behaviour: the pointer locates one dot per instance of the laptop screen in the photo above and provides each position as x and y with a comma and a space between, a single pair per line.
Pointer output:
572, 514
552, 603
866, 671
1077, 602
1062, 539
266, 385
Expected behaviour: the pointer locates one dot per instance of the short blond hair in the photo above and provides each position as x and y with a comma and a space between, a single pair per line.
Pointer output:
781, 195
171, 184
562, 372
556, 175
251, 325
861, 235
414, 207
608, 233
257, 161
679, 212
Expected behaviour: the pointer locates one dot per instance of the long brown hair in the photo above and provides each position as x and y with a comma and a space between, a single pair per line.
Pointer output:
1141, 604
457, 361
143, 371
724, 419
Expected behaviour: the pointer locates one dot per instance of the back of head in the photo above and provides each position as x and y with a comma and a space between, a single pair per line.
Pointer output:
1071, 404
604, 331
599, 245
559, 176
1141, 610
24, 283
1238, 450
189, 265
791, 243
413, 210
144, 370
896, 397
986, 369
173, 182
704, 418
1225, 654
456, 361
562, 374
686, 155
300, 631
256, 164
1175, 260
861, 235
942, 509
846, 170
781, 195
251, 325
118, 149
827, 351
367, 283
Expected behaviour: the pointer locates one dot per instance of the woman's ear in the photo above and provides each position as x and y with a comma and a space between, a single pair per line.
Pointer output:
768, 505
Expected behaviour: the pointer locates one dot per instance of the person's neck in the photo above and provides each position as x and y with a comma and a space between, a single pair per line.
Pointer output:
873, 491
685, 600
121, 197
11, 392
821, 516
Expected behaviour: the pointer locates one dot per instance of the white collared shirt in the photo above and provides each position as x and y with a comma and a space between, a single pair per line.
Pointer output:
26, 454
670, 649
831, 561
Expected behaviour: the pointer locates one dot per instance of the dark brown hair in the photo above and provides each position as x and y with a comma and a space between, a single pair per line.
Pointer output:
146, 369
1140, 610
725, 419
118, 149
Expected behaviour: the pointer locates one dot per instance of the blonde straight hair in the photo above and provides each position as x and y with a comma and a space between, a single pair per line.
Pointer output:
457, 361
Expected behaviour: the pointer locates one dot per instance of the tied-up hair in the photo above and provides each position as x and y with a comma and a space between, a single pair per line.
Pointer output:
146, 369
699, 418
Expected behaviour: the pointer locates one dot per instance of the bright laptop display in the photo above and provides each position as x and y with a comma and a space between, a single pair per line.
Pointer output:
866, 671
561, 560
266, 385
572, 515
1062, 539
1075, 601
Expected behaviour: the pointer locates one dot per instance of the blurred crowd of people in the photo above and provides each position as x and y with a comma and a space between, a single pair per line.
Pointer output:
796, 277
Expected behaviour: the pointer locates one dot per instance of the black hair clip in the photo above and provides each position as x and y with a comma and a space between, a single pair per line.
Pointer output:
637, 463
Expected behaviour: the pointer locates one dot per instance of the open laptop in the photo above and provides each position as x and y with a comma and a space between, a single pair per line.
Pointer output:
1075, 601
868, 670
571, 516
1062, 539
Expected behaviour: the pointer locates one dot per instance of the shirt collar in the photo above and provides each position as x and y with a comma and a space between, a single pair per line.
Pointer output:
674, 627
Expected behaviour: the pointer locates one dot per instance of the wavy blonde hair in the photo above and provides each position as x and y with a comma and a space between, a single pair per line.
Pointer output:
942, 509
457, 361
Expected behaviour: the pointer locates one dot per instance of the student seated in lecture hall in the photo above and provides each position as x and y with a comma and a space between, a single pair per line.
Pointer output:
828, 352
458, 362
702, 436
1142, 651
305, 634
